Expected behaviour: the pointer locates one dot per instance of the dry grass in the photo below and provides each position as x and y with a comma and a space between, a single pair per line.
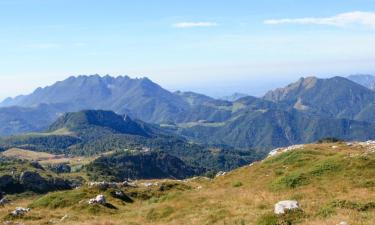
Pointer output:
28, 155
220, 202
46, 158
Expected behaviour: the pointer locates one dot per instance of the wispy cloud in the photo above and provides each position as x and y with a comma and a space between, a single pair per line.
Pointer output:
194, 24
343, 19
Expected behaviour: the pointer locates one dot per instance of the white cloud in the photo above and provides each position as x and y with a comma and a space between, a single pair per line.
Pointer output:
194, 24
343, 19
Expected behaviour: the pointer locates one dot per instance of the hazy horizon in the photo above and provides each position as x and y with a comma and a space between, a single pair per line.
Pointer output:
212, 47
257, 89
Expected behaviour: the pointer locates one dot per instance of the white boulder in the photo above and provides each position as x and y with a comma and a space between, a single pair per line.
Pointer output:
100, 199
19, 211
282, 206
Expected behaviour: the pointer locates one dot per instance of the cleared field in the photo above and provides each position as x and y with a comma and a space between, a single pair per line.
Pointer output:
29, 155
45, 158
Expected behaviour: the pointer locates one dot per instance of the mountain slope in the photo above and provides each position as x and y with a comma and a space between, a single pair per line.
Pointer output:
270, 128
151, 165
332, 183
143, 98
99, 118
335, 97
364, 80
95, 132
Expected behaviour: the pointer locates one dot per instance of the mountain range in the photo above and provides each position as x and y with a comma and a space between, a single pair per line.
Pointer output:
304, 111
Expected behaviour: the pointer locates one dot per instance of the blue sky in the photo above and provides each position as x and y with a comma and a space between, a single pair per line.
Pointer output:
214, 47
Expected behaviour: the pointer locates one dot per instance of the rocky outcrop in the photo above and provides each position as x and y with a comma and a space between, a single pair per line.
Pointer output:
220, 173
32, 181
283, 206
281, 150
19, 211
100, 199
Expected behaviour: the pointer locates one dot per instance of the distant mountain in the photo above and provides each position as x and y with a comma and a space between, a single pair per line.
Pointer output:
99, 118
94, 132
264, 126
140, 97
234, 97
15, 119
335, 97
304, 111
364, 80
194, 99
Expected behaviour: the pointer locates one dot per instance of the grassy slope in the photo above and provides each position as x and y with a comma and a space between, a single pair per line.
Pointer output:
331, 184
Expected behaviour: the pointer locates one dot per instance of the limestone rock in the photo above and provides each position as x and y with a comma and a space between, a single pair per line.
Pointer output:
19, 211
343, 223
100, 199
221, 173
282, 206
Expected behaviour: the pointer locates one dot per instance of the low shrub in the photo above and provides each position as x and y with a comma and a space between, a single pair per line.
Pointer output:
237, 184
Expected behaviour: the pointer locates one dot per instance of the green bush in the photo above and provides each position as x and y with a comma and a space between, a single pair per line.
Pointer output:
237, 184
325, 167
291, 180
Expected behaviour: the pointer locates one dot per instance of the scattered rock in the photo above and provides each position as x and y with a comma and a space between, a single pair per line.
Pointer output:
281, 150
64, 218
19, 211
103, 185
129, 184
221, 173
119, 193
343, 223
4, 201
282, 206
335, 147
196, 179
122, 196
150, 184
199, 187
100, 199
